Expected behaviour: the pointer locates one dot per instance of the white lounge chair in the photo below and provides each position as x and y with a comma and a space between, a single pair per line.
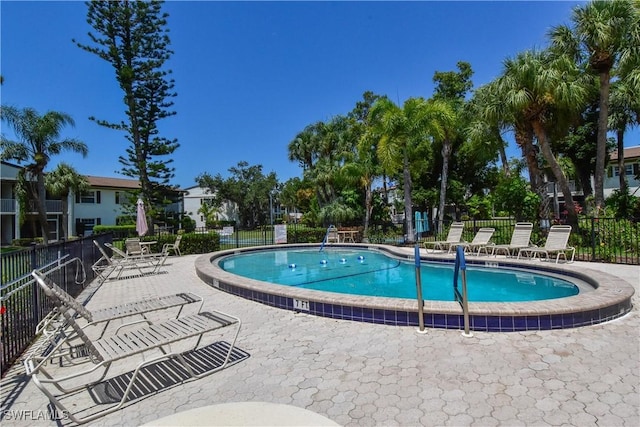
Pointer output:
108, 265
155, 259
454, 236
104, 352
105, 316
556, 243
520, 239
480, 241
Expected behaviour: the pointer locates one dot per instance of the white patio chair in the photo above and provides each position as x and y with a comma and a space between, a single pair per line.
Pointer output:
332, 235
454, 236
520, 239
480, 241
175, 246
556, 243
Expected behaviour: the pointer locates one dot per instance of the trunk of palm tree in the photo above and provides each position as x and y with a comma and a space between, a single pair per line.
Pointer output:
601, 151
408, 214
557, 172
622, 176
524, 138
503, 157
42, 208
385, 190
368, 203
446, 155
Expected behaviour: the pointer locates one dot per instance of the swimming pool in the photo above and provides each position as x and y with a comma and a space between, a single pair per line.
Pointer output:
608, 297
373, 273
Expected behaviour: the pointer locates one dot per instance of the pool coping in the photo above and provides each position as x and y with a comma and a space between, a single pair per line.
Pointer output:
610, 299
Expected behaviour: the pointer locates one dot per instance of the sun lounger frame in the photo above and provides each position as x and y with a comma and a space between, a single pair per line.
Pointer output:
105, 351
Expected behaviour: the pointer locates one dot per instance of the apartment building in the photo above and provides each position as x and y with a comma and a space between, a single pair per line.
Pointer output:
631, 171
101, 204
194, 197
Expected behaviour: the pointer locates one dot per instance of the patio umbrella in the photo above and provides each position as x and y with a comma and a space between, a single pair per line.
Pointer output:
141, 219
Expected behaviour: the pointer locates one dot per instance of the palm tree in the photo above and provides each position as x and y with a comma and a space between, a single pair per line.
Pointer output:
625, 113
451, 88
401, 130
493, 111
486, 127
302, 148
61, 182
364, 168
545, 91
604, 31
38, 136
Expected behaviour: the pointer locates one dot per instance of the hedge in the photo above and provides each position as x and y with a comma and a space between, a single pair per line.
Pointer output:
191, 243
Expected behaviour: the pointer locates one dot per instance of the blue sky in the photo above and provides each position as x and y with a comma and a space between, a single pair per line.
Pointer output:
251, 75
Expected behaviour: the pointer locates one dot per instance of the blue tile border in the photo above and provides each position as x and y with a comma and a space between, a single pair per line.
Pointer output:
500, 321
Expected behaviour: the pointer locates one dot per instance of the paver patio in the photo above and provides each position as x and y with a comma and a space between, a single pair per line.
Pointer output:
360, 374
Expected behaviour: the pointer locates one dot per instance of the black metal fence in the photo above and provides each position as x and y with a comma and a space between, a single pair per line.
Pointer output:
608, 240
23, 306
596, 239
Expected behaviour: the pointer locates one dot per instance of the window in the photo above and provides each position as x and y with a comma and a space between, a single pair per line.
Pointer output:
118, 198
88, 224
89, 197
630, 170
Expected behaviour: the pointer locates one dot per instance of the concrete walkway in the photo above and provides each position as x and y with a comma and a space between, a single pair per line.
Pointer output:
359, 374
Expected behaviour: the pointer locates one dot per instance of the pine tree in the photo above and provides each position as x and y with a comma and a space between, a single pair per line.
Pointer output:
133, 38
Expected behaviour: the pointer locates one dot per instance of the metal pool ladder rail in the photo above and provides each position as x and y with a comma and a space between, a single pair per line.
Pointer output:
330, 229
462, 297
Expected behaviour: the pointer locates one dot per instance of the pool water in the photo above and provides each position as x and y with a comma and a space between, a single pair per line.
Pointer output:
372, 273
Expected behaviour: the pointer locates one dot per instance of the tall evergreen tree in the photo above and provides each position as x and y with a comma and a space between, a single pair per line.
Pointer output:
133, 38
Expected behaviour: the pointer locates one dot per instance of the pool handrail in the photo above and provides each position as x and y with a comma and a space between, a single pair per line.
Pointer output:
331, 229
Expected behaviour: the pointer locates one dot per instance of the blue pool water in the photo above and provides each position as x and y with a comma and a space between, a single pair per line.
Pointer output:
368, 272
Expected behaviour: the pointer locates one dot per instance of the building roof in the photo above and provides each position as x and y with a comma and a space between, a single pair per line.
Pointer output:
629, 153
101, 181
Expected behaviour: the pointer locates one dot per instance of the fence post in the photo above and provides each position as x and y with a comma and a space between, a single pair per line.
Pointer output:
593, 240
34, 287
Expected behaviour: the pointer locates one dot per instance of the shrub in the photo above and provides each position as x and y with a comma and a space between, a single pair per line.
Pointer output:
27, 241
119, 231
306, 235
192, 243
188, 224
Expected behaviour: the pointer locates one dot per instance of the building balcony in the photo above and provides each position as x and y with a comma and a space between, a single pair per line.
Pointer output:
10, 206
572, 186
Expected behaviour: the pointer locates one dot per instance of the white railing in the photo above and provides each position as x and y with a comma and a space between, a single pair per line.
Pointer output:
7, 205
572, 187
11, 206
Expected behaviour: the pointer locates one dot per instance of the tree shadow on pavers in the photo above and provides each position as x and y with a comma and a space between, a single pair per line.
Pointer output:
165, 374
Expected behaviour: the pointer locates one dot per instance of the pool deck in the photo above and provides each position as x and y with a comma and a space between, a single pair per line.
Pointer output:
361, 374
